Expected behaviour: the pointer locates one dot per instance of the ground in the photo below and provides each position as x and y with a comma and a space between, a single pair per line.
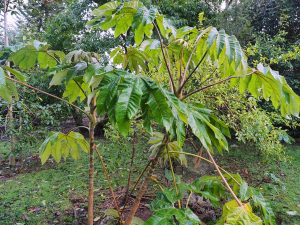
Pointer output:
56, 194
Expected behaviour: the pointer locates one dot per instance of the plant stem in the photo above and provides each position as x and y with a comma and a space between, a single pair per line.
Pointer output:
224, 180
136, 203
191, 55
91, 161
137, 182
173, 176
180, 90
212, 161
188, 200
140, 177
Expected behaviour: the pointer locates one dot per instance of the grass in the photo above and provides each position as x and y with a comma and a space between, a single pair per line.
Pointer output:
47, 196
278, 181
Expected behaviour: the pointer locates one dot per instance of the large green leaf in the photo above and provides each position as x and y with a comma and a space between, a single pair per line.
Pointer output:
202, 127
156, 105
75, 90
122, 16
128, 103
263, 206
107, 91
36, 54
25, 58
123, 95
16, 73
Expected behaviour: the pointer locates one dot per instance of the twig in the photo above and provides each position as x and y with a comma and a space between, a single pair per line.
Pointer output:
194, 49
140, 177
218, 169
164, 56
137, 182
207, 160
188, 200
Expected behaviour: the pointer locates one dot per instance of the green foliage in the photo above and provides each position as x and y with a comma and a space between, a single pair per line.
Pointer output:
173, 215
209, 44
62, 145
132, 14
38, 53
165, 149
277, 181
154, 104
258, 128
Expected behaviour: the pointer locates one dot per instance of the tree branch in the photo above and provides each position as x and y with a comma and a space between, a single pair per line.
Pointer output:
80, 88
194, 70
216, 83
46, 93
191, 55
165, 59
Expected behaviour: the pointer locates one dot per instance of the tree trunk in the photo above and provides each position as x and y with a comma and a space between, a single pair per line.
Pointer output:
10, 116
91, 161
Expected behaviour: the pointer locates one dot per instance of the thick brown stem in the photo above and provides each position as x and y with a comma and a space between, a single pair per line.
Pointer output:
141, 193
137, 201
144, 185
91, 161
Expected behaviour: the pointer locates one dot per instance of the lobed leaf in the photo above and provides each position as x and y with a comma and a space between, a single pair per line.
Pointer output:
61, 145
